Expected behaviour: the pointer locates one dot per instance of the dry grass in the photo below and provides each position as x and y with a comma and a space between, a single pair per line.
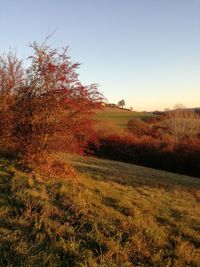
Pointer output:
115, 214
161, 210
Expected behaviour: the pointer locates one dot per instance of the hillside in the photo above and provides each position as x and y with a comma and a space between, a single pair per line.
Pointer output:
112, 214
119, 117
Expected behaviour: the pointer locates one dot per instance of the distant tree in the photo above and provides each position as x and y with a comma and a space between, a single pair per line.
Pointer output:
121, 103
112, 105
131, 108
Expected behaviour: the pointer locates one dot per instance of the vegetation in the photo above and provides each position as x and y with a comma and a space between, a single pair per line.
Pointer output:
149, 218
138, 127
169, 141
44, 108
182, 123
118, 117
121, 103
64, 210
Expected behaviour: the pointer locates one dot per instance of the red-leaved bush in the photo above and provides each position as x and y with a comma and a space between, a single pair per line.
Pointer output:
45, 108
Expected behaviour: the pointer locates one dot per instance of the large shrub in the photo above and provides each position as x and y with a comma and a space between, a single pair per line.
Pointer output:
45, 108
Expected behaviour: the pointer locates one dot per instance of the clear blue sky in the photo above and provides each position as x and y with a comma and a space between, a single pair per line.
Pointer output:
144, 51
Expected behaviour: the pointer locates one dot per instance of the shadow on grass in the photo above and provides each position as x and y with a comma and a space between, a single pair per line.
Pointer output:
133, 175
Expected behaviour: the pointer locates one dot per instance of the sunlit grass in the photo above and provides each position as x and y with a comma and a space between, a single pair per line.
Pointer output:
112, 214
119, 117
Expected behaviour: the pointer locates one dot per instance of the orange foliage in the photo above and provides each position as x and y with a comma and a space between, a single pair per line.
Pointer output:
152, 150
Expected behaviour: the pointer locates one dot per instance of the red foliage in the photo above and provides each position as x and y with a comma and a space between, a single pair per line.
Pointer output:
50, 109
152, 152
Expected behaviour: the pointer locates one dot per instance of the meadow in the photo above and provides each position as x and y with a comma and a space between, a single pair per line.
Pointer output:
108, 214
119, 117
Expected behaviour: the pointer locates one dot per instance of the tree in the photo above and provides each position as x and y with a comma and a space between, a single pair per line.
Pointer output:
51, 110
121, 103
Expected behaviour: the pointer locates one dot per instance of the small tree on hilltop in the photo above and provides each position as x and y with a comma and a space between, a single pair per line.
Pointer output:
121, 103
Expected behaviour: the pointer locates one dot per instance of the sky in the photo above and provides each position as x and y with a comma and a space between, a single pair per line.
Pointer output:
146, 52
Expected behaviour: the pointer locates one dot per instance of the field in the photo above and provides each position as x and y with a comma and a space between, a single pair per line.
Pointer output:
119, 117
109, 214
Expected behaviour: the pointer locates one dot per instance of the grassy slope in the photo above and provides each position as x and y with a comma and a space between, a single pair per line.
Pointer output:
116, 214
119, 117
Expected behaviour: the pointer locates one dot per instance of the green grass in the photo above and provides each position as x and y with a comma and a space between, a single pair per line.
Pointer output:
119, 117
112, 214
